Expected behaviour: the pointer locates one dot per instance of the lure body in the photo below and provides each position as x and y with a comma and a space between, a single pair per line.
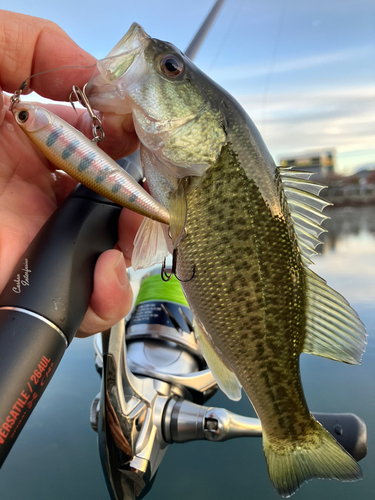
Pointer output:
71, 151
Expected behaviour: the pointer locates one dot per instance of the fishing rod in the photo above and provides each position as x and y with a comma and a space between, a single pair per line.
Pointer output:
198, 39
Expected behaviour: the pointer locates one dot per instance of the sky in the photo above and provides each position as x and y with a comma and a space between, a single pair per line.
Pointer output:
304, 70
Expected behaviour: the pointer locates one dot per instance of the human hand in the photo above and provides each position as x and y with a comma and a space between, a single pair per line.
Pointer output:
30, 187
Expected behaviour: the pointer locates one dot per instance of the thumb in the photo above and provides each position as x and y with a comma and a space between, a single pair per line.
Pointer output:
112, 296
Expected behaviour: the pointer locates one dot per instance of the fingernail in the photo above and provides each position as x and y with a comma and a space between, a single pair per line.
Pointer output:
120, 269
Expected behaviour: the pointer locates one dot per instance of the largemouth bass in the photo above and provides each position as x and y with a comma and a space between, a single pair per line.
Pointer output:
242, 231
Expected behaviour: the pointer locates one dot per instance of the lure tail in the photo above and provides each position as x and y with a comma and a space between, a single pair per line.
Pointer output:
318, 455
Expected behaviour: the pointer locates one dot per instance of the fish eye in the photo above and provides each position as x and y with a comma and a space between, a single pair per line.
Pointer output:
23, 116
172, 65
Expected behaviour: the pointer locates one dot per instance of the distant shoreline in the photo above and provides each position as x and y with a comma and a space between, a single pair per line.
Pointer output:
351, 195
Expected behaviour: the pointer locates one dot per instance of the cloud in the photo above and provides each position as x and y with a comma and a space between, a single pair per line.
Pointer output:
342, 118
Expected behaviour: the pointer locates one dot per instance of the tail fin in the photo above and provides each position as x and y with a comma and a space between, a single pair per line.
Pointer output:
321, 456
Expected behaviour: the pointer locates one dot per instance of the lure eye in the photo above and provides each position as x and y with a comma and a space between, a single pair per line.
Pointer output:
172, 65
23, 116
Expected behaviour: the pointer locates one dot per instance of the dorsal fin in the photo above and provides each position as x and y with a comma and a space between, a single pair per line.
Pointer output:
333, 328
296, 174
305, 206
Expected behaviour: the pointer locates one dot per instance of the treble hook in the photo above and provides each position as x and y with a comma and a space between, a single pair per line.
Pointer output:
81, 97
166, 277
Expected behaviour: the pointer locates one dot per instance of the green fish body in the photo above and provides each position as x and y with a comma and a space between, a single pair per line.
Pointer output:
243, 231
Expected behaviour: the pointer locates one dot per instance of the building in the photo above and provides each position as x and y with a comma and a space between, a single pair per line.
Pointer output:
318, 162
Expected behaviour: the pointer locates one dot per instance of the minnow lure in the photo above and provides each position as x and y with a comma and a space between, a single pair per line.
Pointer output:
71, 151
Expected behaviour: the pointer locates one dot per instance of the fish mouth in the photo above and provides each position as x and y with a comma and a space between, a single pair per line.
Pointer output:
103, 89
121, 57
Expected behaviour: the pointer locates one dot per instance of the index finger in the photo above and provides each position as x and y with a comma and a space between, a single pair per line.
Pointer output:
31, 45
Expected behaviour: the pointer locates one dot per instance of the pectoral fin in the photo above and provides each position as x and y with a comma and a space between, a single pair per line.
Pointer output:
178, 212
224, 375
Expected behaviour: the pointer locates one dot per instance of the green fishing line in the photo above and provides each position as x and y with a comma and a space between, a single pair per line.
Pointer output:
154, 288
